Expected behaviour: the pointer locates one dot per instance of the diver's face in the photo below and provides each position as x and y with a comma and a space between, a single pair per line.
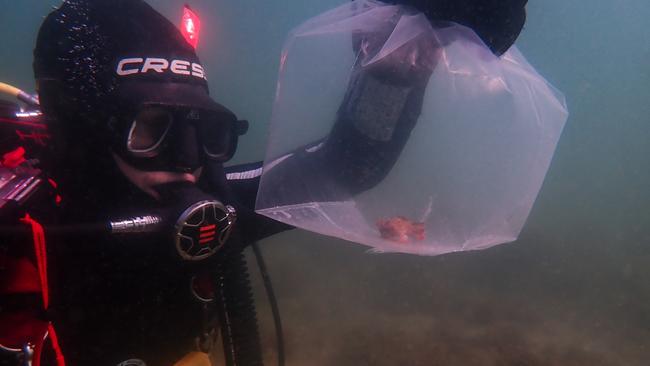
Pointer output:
161, 144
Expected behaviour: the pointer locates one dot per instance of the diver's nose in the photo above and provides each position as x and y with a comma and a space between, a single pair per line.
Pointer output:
186, 150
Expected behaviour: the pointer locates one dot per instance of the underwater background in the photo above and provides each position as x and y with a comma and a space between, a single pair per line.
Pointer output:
573, 290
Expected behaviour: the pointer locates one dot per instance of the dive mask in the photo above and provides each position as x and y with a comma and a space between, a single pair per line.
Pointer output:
176, 138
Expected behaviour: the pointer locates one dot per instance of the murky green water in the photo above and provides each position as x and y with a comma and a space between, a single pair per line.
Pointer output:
573, 290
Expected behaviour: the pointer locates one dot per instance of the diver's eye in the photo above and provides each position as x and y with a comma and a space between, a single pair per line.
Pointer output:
148, 131
217, 141
217, 135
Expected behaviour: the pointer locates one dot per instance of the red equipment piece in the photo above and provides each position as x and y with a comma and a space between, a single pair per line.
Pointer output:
190, 26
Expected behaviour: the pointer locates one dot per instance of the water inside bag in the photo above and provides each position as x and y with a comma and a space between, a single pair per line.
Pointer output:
473, 164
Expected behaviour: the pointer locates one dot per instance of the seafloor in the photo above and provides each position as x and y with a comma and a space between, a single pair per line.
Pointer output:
525, 304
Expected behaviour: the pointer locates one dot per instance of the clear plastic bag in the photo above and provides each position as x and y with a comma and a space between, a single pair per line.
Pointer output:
406, 135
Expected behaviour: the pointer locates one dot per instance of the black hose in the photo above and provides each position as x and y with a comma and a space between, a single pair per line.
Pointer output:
279, 334
237, 313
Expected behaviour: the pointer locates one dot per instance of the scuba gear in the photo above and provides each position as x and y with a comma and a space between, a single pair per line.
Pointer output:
161, 137
127, 102
230, 284
19, 94
24, 291
21, 177
127, 93
203, 229
239, 315
190, 26
438, 145
21, 126
100, 72
18, 181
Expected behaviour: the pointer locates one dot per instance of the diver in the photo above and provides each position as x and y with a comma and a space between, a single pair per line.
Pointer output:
136, 135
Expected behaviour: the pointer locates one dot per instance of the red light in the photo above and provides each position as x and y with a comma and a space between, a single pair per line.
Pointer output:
190, 26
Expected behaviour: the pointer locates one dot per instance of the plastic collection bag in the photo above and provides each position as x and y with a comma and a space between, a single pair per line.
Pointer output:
406, 135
